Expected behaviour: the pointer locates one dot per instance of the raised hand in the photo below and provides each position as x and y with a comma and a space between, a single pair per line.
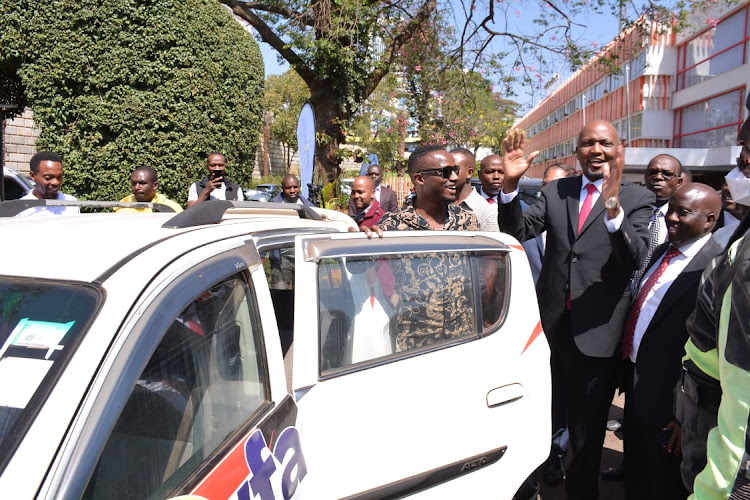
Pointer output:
515, 163
612, 175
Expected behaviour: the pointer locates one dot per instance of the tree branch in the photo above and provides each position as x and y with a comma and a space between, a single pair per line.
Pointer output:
423, 14
305, 17
270, 37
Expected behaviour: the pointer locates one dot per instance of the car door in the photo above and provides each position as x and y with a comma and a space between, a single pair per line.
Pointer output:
191, 399
419, 362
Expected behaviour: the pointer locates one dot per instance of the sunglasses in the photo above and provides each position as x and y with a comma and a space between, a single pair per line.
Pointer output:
444, 172
742, 163
652, 172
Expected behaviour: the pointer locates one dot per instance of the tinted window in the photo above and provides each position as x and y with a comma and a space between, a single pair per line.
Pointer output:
13, 189
374, 307
204, 381
41, 323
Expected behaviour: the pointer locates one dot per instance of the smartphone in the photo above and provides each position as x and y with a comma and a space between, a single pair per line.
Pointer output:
217, 172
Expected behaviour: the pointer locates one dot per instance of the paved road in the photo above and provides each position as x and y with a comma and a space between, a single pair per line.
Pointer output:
611, 456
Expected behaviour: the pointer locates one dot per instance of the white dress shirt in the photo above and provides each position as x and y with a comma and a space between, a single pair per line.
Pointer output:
612, 224
657, 292
662, 223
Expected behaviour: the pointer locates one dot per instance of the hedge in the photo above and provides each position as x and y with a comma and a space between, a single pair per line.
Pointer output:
119, 84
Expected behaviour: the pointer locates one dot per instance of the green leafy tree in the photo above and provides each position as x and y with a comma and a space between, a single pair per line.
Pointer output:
466, 111
118, 84
342, 49
284, 97
378, 122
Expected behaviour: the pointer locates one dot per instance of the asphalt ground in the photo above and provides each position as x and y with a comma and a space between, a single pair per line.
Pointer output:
611, 456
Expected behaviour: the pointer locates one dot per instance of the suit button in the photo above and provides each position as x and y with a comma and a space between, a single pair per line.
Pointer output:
575, 259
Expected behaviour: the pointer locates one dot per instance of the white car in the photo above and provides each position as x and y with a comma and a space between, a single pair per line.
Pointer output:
245, 350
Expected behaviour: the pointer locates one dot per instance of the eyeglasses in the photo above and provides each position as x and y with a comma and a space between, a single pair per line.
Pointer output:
653, 172
444, 172
742, 163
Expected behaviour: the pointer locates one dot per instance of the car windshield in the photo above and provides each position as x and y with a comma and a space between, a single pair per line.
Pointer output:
41, 324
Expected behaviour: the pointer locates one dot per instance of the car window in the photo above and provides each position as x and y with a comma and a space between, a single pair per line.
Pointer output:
374, 307
204, 381
13, 189
41, 324
279, 267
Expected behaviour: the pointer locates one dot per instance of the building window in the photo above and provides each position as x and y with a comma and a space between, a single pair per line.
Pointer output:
636, 67
710, 123
713, 52
636, 126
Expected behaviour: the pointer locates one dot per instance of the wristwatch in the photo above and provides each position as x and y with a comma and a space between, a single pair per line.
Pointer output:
612, 203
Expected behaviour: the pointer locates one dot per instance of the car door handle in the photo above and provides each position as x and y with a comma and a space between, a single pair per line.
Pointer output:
505, 394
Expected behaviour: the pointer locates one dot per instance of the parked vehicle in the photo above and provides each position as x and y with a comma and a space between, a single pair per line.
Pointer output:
16, 185
169, 355
263, 192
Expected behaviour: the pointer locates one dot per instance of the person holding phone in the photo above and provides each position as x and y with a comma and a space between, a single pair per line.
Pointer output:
216, 185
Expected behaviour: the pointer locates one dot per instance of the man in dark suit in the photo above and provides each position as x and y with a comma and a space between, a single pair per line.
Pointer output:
653, 344
383, 194
597, 235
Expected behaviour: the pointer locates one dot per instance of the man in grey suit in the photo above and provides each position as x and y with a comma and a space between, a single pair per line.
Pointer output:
597, 235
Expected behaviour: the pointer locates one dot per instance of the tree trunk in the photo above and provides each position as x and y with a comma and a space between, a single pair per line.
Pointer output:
329, 135
266, 146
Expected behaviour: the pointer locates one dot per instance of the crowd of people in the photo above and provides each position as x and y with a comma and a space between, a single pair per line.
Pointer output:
619, 268
641, 288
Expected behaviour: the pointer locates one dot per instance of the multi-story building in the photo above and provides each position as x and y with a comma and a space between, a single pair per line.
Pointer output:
677, 92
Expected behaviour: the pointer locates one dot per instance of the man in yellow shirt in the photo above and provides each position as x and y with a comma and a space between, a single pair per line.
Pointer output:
144, 183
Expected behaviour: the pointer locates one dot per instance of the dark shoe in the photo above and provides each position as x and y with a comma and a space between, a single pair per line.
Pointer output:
616, 473
554, 471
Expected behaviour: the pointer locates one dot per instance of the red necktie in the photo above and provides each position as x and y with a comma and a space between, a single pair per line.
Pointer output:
635, 309
586, 207
490, 200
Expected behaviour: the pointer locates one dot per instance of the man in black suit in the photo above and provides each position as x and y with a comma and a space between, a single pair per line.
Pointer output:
654, 343
582, 288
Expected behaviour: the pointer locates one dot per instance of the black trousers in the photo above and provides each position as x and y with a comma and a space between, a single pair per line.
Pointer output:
588, 385
696, 407
650, 471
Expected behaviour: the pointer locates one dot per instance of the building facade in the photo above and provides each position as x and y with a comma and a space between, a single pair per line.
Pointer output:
677, 92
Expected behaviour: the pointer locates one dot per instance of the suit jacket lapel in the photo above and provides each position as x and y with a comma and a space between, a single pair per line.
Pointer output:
572, 200
680, 284
658, 252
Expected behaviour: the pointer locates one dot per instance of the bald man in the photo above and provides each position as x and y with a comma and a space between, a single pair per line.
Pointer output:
368, 211
597, 235
654, 343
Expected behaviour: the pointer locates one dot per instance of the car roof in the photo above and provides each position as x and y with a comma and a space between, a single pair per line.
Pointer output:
85, 247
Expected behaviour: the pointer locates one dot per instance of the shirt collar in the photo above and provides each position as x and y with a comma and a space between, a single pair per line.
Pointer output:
689, 250
586, 181
485, 195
